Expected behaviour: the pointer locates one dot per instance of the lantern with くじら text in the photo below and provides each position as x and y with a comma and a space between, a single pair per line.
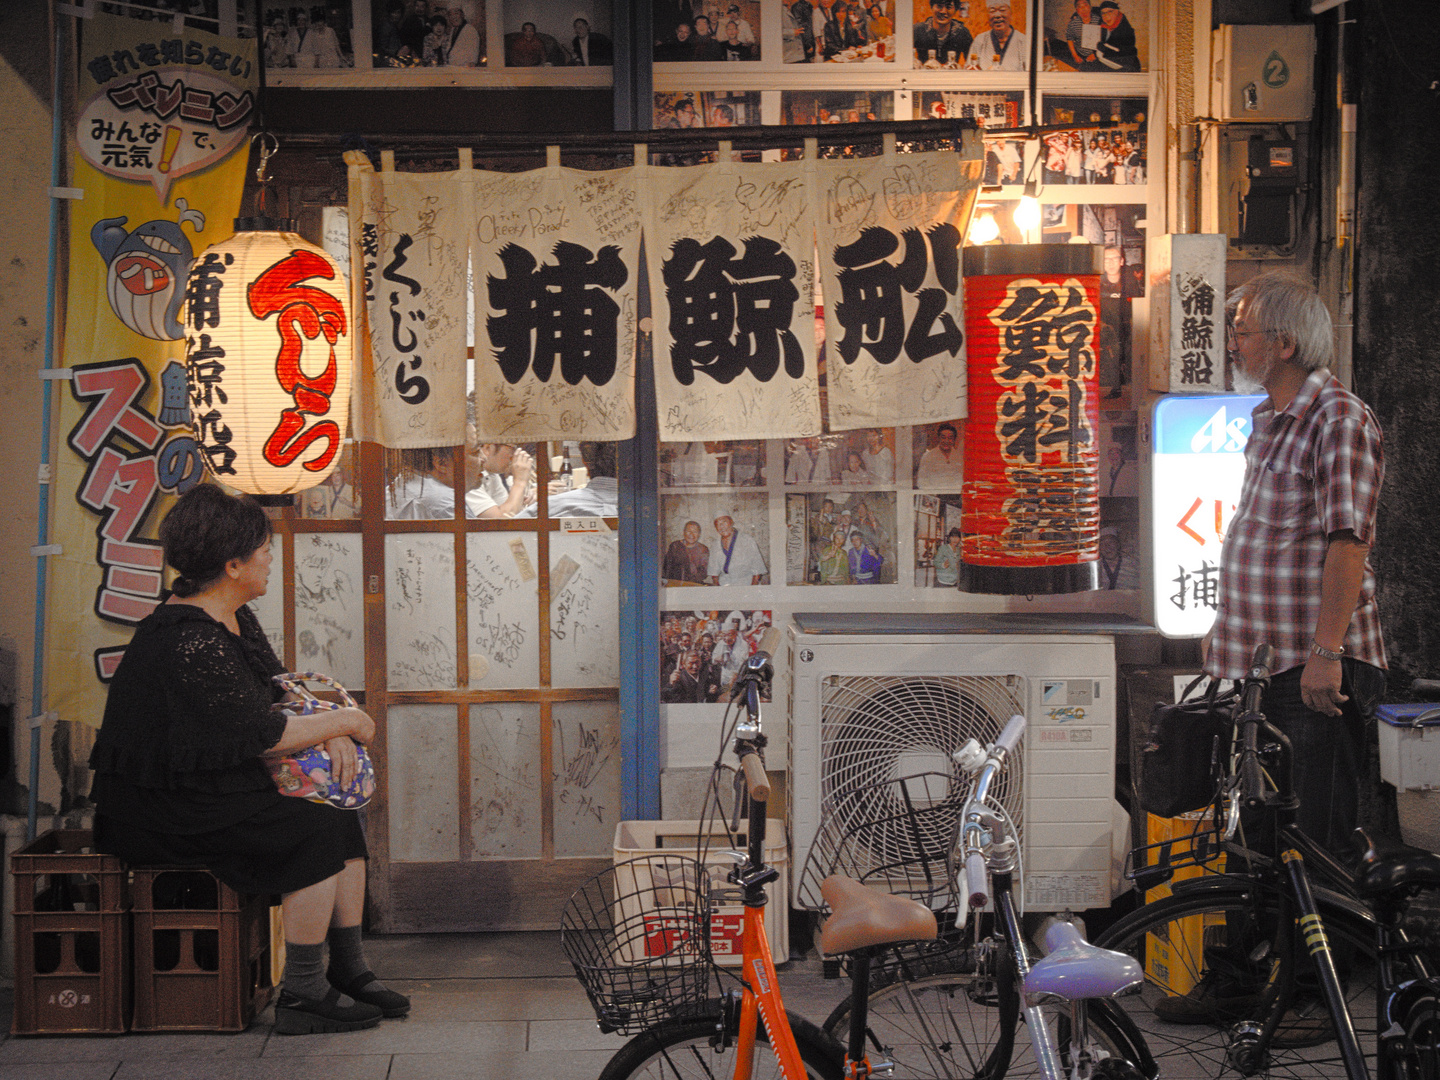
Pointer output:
1030, 517
268, 358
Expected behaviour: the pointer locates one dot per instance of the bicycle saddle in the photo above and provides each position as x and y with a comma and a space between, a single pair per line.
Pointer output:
1386, 867
1074, 969
861, 916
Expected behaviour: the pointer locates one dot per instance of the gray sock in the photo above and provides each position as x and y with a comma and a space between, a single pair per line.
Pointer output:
347, 956
305, 972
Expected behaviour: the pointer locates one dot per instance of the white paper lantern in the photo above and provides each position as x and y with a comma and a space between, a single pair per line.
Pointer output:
268, 358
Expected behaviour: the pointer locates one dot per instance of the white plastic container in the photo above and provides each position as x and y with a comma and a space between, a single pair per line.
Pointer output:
1410, 759
634, 839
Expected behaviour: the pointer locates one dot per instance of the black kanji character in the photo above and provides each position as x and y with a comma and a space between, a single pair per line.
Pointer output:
556, 311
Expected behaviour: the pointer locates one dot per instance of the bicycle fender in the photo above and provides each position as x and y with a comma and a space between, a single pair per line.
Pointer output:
1328, 900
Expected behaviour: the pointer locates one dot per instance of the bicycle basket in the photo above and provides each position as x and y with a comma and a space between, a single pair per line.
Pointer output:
637, 935
893, 834
1192, 840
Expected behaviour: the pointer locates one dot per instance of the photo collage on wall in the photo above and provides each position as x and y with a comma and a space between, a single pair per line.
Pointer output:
700, 32
971, 35
1097, 36
715, 537
441, 33
701, 652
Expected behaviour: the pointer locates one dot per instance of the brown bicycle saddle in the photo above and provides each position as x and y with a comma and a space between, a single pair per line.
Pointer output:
862, 916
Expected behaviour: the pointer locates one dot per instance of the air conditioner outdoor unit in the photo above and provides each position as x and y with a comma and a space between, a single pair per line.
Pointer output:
871, 705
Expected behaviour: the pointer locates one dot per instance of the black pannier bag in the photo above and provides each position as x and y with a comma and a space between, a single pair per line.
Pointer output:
1184, 759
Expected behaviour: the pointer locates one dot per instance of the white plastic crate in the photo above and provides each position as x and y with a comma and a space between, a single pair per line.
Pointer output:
1409, 755
634, 839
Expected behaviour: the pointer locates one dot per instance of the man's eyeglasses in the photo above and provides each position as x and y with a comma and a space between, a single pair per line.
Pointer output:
1232, 333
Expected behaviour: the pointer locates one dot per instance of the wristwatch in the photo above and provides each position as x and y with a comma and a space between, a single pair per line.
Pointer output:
1326, 654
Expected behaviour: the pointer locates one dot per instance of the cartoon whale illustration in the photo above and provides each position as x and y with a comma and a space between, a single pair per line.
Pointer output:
147, 270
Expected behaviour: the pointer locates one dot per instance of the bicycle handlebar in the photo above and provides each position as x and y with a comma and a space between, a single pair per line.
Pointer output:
1011, 736
977, 880
756, 780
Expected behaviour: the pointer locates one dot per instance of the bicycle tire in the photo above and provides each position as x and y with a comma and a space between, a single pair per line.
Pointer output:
1422, 1032
1198, 1049
908, 1015
690, 1048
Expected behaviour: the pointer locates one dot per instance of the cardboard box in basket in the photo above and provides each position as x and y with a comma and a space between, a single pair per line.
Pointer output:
1176, 964
634, 839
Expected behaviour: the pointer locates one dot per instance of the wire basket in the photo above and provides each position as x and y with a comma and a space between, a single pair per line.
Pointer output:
892, 834
637, 935
1192, 841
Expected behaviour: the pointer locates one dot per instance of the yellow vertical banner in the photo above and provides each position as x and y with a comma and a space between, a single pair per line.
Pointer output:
161, 116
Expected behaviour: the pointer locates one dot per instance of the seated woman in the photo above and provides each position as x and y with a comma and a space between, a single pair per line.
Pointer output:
180, 764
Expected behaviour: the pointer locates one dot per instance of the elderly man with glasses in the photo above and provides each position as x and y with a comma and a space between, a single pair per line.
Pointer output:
1294, 568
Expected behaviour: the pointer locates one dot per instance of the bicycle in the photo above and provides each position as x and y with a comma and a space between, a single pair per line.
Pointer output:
1243, 939
972, 1004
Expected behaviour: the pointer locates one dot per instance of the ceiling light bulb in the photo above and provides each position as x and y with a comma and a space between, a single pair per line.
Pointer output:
1027, 213
984, 229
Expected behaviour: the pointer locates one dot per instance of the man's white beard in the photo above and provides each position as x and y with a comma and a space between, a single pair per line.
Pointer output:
1246, 383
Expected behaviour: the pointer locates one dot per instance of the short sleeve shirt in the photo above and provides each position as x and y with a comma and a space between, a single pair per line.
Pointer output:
1312, 469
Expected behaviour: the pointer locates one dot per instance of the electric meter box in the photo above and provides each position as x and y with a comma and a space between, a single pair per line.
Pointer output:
1262, 74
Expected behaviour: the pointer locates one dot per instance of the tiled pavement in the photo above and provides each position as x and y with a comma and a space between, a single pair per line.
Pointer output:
485, 1005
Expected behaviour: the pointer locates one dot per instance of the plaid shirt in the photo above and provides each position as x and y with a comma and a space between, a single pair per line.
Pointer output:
1310, 470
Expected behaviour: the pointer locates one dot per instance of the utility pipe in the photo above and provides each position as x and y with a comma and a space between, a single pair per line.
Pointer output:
42, 528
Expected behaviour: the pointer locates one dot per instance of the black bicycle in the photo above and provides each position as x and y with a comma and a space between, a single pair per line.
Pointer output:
1251, 968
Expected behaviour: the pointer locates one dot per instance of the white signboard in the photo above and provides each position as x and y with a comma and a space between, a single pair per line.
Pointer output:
1197, 471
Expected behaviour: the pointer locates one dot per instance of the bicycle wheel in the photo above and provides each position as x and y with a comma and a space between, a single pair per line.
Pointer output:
955, 1027
693, 1050
1422, 1028
1190, 937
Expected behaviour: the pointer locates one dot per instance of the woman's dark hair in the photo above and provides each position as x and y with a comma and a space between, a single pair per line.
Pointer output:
205, 529
954, 532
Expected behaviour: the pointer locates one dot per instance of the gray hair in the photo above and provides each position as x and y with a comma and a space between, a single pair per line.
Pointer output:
1282, 302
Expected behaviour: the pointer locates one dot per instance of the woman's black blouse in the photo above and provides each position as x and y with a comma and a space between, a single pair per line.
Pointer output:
187, 719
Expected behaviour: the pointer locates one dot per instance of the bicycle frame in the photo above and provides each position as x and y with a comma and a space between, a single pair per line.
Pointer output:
760, 1000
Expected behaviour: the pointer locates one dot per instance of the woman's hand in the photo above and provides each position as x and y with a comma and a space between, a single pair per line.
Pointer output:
364, 727
344, 760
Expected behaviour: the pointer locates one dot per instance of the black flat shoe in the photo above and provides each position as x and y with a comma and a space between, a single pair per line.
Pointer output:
295, 1015
387, 1001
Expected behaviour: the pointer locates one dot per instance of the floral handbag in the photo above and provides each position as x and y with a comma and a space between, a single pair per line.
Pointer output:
306, 774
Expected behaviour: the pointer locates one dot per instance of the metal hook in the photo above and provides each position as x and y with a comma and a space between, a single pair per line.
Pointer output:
268, 147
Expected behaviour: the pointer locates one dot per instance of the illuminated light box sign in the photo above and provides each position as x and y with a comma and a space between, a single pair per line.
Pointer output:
1030, 522
1196, 473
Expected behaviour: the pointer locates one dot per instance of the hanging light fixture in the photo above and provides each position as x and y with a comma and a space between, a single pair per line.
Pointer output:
983, 228
268, 354
1027, 213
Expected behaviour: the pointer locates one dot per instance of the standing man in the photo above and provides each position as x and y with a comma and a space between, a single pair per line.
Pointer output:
464, 50
947, 561
1002, 47
1294, 568
943, 465
798, 29
879, 459
738, 562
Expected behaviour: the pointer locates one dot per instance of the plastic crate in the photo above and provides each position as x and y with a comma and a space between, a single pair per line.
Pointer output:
634, 839
72, 957
1171, 964
202, 952
1409, 753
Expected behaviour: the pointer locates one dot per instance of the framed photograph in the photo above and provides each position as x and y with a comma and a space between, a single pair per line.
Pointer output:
1119, 456
1104, 36
701, 652
971, 35
1091, 155
937, 541
1117, 229
311, 37
693, 464
938, 454
1004, 158
428, 33
835, 106
841, 538
545, 34
732, 529
706, 31
1120, 556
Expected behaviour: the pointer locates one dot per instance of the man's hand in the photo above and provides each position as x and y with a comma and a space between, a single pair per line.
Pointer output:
521, 466
1320, 686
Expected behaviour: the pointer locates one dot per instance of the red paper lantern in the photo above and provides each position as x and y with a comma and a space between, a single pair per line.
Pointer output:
1030, 521
268, 358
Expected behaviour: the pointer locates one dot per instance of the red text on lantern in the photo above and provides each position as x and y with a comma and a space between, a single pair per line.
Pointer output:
304, 313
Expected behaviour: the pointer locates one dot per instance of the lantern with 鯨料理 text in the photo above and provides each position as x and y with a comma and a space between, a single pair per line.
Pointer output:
268, 358
1030, 521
